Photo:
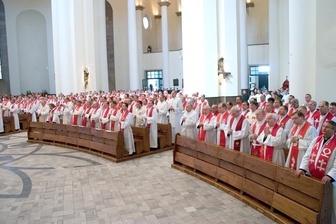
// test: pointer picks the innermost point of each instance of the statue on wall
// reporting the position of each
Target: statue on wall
(86, 77)
(221, 71)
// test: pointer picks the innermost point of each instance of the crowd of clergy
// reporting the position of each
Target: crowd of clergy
(260, 124)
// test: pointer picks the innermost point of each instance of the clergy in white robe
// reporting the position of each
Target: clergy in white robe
(76, 113)
(299, 139)
(14, 112)
(138, 114)
(255, 130)
(162, 109)
(220, 125)
(6, 106)
(206, 126)
(188, 122)
(238, 132)
(58, 113)
(319, 160)
(114, 117)
(175, 114)
(68, 105)
(104, 119)
(273, 138)
(43, 111)
(126, 121)
(95, 115)
(151, 123)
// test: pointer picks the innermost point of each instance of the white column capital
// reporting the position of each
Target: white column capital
(164, 3)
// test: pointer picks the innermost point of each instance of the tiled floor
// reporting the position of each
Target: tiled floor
(48, 184)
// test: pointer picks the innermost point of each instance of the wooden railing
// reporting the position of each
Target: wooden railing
(265, 186)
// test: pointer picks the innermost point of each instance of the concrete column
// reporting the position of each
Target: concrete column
(167, 82)
(64, 45)
(302, 47)
(199, 28)
(244, 77)
(274, 56)
(139, 9)
(83, 48)
(132, 46)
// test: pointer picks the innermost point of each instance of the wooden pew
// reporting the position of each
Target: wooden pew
(164, 135)
(106, 143)
(49, 132)
(113, 143)
(141, 139)
(8, 124)
(61, 134)
(36, 131)
(24, 121)
(265, 186)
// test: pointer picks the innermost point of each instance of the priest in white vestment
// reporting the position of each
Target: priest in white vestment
(175, 114)
(114, 117)
(206, 126)
(126, 121)
(238, 132)
(188, 122)
(150, 118)
(299, 139)
(14, 112)
(319, 160)
(162, 109)
(220, 125)
(273, 138)
(43, 111)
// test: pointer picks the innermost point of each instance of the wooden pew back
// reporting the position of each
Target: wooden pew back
(164, 135)
(109, 144)
(141, 139)
(264, 185)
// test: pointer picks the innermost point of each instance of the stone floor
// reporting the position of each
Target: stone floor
(49, 184)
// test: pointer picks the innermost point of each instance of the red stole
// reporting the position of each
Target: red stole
(282, 121)
(245, 112)
(105, 113)
(114, 113)
(51, 114)
(202, 132)
(123, 118)
(12, 107)
(4, 104)
(221, 118)
(262, 105)
(318, 163)
(93, 123)
(327, 117)
(75, 117)
(266, 152)
(149, 113)
(294, 152)
(236, 145)
(291, 111)
(184, 105)
(84, 119)
(255, 149)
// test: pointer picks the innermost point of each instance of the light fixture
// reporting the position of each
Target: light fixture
(179, 13)
(157, 16)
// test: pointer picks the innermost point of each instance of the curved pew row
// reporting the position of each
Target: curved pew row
(107, 144)
(269, 188)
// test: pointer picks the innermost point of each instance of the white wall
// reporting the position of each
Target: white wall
(32, 51)
(153, 61)
(325, 51)
(12, 9)
(258, 54)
